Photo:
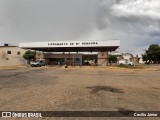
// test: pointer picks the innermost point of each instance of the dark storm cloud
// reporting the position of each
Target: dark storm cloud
(135, 22)
(155, 34)
(39, 20)
(140, 19)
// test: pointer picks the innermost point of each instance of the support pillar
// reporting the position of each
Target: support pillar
(102, 58)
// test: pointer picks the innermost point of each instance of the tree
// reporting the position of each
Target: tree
(29, 55)
(145, 57)
(152, 54)
(112, 58)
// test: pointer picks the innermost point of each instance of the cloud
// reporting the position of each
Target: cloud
(39, 20)
(136, 23)
(143, 8)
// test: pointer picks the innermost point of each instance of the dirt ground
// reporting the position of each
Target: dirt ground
(80, 89)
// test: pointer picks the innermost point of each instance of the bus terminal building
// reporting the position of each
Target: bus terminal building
(73, 52)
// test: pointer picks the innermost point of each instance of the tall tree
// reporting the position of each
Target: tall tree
(152, 54)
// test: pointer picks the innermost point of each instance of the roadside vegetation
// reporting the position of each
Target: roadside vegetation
(131, 67)
(112, 59)
(152, 55)
(29, 55)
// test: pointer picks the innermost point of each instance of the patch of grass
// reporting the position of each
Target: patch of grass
(131, 67)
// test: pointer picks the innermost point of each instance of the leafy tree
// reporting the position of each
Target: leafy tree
(112, 58)
(145, 57)
(152, 54)
(29, 55)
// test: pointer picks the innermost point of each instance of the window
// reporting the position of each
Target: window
(18, 53)
(8, 52)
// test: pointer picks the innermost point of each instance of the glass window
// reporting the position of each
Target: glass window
(18, 53)
(8, 52)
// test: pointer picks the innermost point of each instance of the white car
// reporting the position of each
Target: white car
(38, 63)
(124, 62)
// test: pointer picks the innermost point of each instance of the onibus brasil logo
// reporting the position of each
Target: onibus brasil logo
(21, 114)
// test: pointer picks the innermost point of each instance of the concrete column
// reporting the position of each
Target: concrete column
(80, 59)
(73, 59)
(102, 58)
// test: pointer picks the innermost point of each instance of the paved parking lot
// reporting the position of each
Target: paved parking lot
(79, 89)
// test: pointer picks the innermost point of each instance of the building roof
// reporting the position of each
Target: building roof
(8, 46)
(72, 46)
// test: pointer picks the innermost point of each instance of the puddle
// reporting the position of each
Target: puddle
(96, 89)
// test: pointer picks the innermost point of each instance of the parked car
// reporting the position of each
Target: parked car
(38, 63)
(125, 62)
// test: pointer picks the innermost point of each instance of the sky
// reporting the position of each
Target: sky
(136, 23)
